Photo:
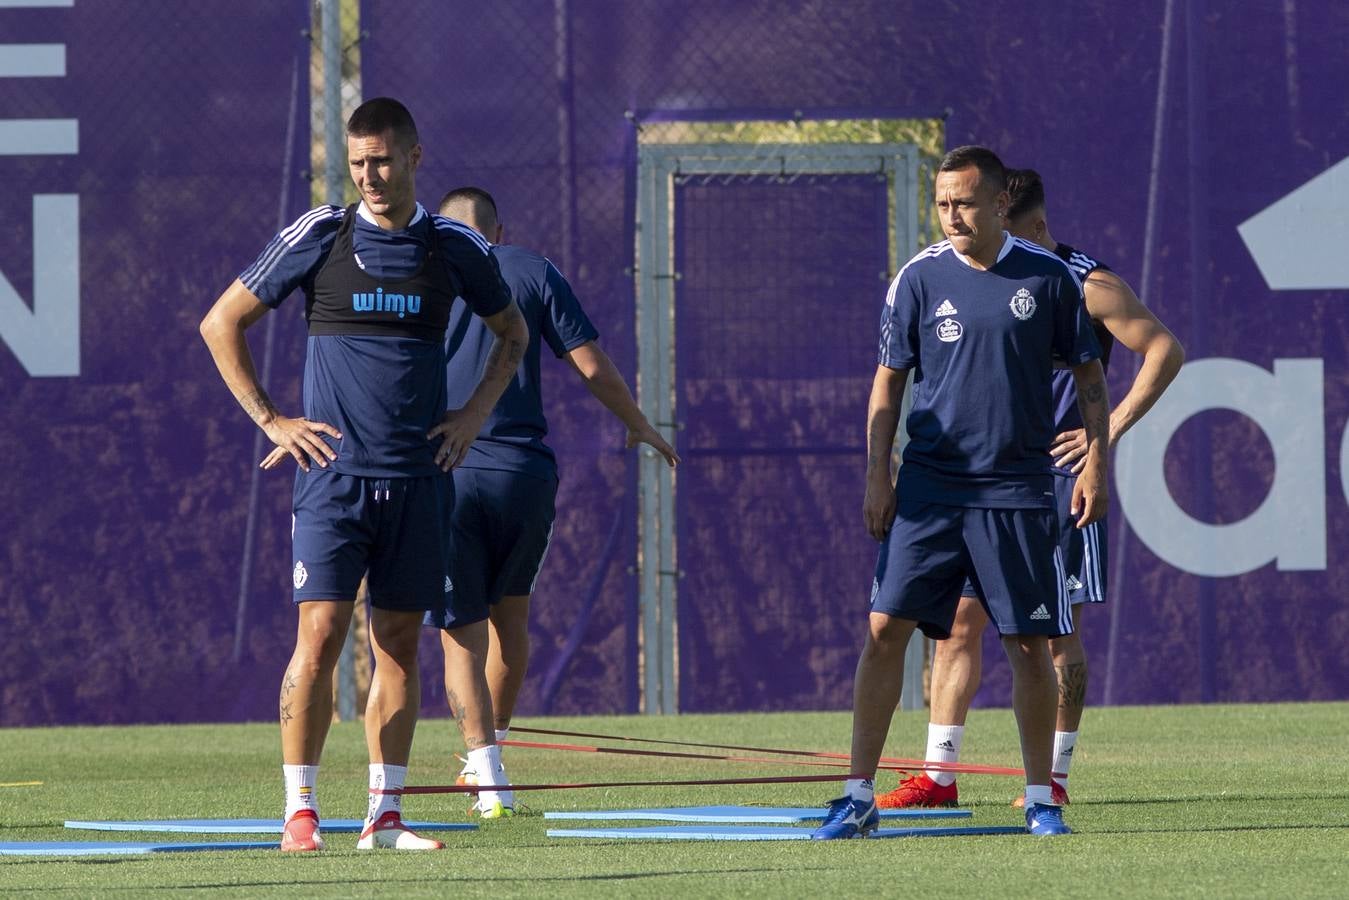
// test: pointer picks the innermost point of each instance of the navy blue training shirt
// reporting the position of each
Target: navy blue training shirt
(982, 346)
(512, 437)
(374, 366)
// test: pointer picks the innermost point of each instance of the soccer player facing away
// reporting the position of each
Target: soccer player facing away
(979, 319)
(1116, 314)
(505, 490)
(379, 279)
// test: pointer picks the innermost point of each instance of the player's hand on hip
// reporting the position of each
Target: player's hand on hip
(1069, 450)
(878, 508)
(274, 459)
(1091, 498)
(650, 436)
(457, 429)
(300, 439)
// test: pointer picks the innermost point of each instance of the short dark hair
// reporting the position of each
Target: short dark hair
(479, 198)
(384, 114)
(1026, 190)
(986, 161)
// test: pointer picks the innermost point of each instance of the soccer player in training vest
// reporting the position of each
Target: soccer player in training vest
(1116, 313)
(504, 489)
(980, 319)
(379, 279)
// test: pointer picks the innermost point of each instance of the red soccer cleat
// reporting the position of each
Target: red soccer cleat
(1058, 795)
(918, 791)
(302, 832)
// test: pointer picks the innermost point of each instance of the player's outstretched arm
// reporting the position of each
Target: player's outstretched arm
(1090, 494)
(459, 427)
(603, 379)
(887, 394)
(223, 331)
(1111, 301)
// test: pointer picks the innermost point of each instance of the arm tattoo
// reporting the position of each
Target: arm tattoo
(258, 405)
(878, 452)
(505, 356)
(1091, 403)
(1072, 685)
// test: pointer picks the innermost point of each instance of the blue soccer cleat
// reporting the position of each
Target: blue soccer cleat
(848, 818)
(1044, 820)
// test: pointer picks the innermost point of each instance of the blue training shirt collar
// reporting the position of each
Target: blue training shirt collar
(1007, 243)
(368, 216)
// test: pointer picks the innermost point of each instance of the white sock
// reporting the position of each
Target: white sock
(300, 793)
(1038, 794)
(503, 733)
(486, 761)
(943, 745)
(863, 789)
(388, 778)
(1064, 742)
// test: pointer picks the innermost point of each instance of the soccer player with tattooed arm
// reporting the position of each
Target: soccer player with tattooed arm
(979, 320)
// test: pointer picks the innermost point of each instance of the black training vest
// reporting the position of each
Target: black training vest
(345, 300)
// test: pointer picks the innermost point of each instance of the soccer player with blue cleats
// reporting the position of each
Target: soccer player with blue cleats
(848, 817)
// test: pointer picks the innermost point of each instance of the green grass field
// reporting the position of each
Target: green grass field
(1217, 801)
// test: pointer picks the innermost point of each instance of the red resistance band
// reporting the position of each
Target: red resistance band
(886, 762)
(474, 788)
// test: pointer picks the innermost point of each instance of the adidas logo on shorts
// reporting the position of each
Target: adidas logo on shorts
(1073, 583)
(1040, 612)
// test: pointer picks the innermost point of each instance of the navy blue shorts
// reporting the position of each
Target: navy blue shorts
(1084, 550)
(396, 529)
(500, 530)
(1010, 555)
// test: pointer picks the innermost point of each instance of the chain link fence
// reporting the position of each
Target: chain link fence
(145, 575)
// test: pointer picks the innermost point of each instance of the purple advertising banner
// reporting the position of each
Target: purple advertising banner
(1201, 149)
(151, 150)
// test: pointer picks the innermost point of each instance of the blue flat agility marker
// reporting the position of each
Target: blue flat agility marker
(249, 826)
(765, 815)
(732, 833)
(101, 848)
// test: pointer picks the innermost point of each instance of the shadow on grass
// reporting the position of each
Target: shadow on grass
(300, 883)
(1216, 798)
(1223, 829)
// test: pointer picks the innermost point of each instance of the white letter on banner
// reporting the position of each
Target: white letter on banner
(1290, 524)
(1344, 462)
(46, 339)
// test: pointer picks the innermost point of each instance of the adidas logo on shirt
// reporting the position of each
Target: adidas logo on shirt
(947, 308)
(1040, 612)
(1073, 583)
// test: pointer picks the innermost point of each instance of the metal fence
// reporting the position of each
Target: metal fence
(155, 151)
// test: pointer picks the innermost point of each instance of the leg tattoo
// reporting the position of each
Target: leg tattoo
(456, 709)
(1072, 685)
(288, 686)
